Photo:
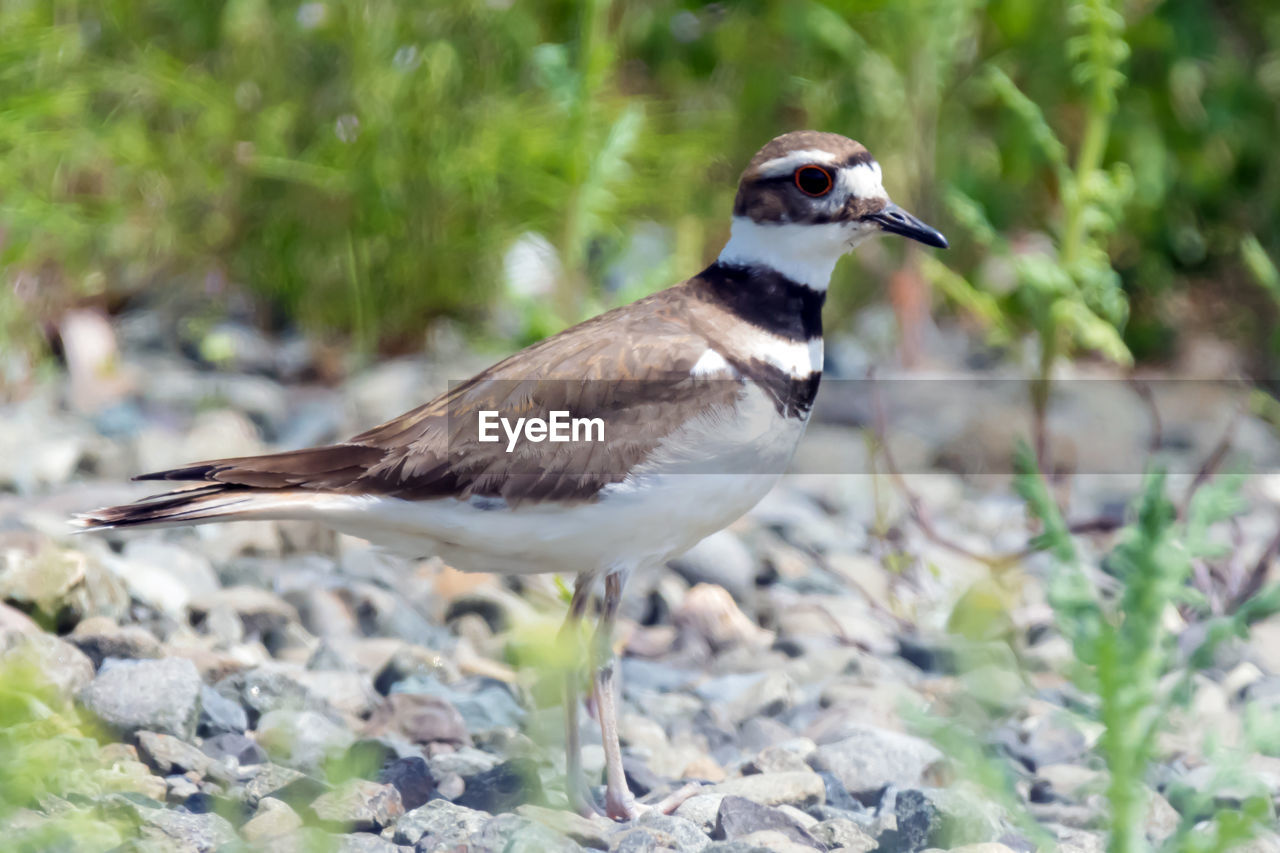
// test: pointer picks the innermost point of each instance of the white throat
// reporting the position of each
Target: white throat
(804, 253)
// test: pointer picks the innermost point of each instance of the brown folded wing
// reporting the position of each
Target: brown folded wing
(629, 367)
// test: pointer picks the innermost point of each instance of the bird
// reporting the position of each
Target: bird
(692, 402)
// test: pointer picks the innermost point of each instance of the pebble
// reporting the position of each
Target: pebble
(48, 660)
(796, 788)
(101, 638)
(181, 832)
(438, 825)
(784, 757)
(738, 817)
(358, 805)
(843, 834)
(166, 754)
(504, 787)
(483, 703)
(303, 740)
(585, 831)
(721, 559)
(419, 719)
(167, 576)
(272, 819)
(157, 695)
(701, 810)
(776, 659)
(235, 746)
(283, 783)
(869, 758)
(510, 833)
(411, 777)
(220, 715)
(364, 842)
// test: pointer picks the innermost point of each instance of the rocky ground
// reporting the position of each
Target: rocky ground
(265, 686)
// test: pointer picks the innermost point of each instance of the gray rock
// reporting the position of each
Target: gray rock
(773, 841)
(585, 831)
(277, 687)
(738, 817)
(917, 823)
(219, 715)
(350, 693)
(166, 576)
(283, 783)
(102, 638)
(870, 758)
(263, 612)
(158, 695)
(511, 833)
(842, 834)
(438, 825)
(701, 810)
(742, 696)
(675, 832)
(801, 789)
(639, 840)
(742, 846)
(58, 664)
(940, 817)
(166, 754)
(363, 842)
(180, 789)
(720, 559)
(409, 661)
(501, 789)
(358, 805)
(838, 797)
(303, 740)
(418, 719)
(782, 758)
(467, 761)
(272, 819)
(61, 587)
(183, 832)
(640, 676)
(484, 703)
(411, 777)
(233, 745)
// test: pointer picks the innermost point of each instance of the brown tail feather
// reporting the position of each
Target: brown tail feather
(320, 468)
(214, 502)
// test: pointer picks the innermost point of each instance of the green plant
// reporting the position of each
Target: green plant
(1070, 294)
(1125, 655)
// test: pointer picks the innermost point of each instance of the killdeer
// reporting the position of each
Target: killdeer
(703, 391)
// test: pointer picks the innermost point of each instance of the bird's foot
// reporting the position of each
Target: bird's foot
(624, 806)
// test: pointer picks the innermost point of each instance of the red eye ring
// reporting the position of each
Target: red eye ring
(813, 181)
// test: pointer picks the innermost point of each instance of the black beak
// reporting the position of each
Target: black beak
(895, 220)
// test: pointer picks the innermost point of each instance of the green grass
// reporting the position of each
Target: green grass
(359, 167)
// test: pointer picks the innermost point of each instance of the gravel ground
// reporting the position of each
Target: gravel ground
(265, 686)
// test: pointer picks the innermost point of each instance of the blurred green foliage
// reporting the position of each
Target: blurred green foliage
(1127, 659)
(1141, 639)
(362, 166)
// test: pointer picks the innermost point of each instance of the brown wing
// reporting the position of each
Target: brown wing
(629, 367)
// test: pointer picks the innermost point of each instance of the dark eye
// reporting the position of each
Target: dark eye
(813, 180)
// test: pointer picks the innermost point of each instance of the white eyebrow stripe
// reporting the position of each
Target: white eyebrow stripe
(790, 162)
(863, 180)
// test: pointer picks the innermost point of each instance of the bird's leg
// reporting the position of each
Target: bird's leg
(619, 803)
(580, 799)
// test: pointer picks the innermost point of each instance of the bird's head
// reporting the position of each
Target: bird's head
(807, 198)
